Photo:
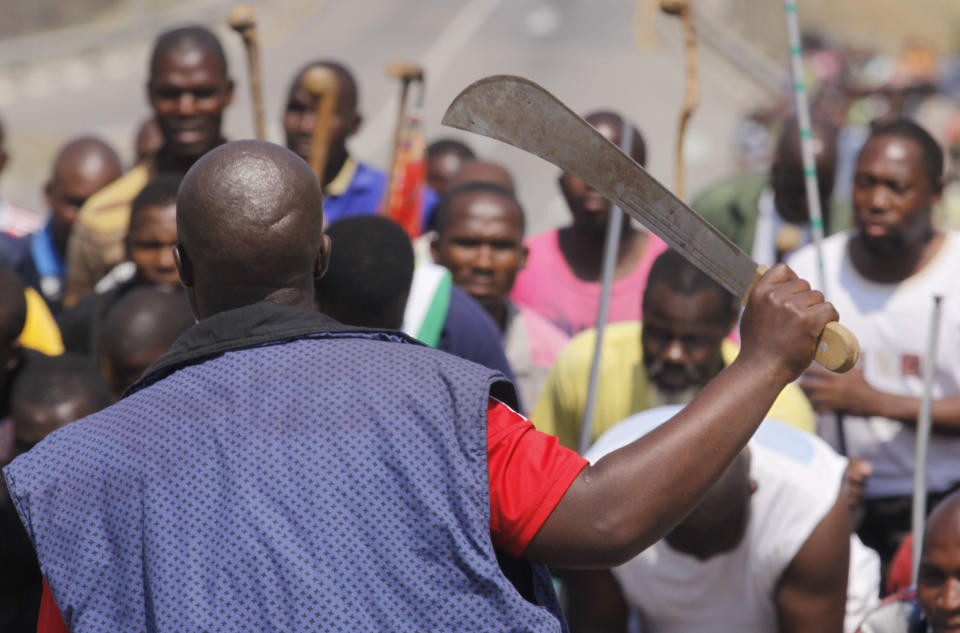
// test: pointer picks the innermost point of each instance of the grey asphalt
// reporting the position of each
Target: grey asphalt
(590, 54)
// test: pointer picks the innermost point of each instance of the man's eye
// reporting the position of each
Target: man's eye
(206, 93)
(167, 93)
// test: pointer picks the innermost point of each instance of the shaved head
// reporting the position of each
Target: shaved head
(613, 121)
(186, 41)
(143, 325)
(938, 576)
(82, 167)
(483, 171)
(250, 228)
(88, 157)
(787, 175)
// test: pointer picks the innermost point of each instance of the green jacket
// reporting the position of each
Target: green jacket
(731, 205)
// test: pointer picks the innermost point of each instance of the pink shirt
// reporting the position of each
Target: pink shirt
(549, 286)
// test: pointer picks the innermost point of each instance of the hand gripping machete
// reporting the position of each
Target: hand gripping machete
(519, 112)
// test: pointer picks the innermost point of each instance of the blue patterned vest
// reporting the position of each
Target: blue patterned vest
(277, 471)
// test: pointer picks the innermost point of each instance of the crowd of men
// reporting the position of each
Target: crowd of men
(269, 442)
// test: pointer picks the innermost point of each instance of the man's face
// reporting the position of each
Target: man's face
(938, 578)
(150, 245)
(482, 245)
(589, 208)
(188, 92)
(681, 338)
(299, 121)
(892, 196)
(66, 193)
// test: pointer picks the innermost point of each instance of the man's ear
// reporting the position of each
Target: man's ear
(435, 248)
(3, 159)
(522, 261)
(184, 266)
(47, 193)
(355, 123)
(322, 262)
(229, 89)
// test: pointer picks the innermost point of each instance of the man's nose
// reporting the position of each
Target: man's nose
(675, 352)
(187, 104)
(879, 198)
(484, 257)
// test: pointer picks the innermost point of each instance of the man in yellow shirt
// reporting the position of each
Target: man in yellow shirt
(678, 349)
(188, 90)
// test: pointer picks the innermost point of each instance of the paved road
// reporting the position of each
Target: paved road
(585, 52)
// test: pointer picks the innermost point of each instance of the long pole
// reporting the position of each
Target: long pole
(691, 98)
(924, 422)
(814, 208)
(611, 245)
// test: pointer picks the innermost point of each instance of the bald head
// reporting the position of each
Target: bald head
(589, 208)
(250, 227)
(483, 171)
(82, 167)
(187, 41)
(610, 124)
(939, 572)
(786, 174)
(142, 325)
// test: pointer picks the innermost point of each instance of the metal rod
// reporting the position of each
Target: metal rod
(814, 209)
(611, 245)
(924, 422)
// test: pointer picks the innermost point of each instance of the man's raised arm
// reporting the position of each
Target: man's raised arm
(635, 495)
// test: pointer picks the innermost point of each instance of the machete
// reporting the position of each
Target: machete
(521, 113)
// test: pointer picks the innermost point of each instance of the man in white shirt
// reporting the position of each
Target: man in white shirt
(882, 276)
(768, 549)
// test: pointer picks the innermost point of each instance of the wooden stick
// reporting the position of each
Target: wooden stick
(321, 82)
(243, 20)
(407, 73)
(691, 100)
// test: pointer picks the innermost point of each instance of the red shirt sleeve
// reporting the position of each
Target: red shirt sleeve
(529, 473)
(50, 620)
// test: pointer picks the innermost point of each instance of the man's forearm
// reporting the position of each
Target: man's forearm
(945, 412)
(634, 496)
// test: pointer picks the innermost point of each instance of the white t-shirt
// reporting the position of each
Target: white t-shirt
(798, 479)
(891, 322)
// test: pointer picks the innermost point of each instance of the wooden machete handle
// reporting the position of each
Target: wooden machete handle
(837, 348)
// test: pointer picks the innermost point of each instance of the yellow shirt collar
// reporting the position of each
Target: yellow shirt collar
(338, 186)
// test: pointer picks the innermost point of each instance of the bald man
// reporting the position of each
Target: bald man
(82, 167)
(445, 157)
(188, 90)
(483, 171)
(933, 606)
(279, 470)
(766, 214)
(561, 279)
(141, 326)
(350, 187)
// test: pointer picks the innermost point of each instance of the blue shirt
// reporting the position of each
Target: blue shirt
(363, 194)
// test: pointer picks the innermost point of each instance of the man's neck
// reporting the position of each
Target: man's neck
(335, 162)
(894, 267)
(583, 251)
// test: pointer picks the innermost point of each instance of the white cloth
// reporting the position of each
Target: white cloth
(891, 322)
(769, 225)
(798, 480)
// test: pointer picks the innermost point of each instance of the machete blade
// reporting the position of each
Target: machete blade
(523, 114)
